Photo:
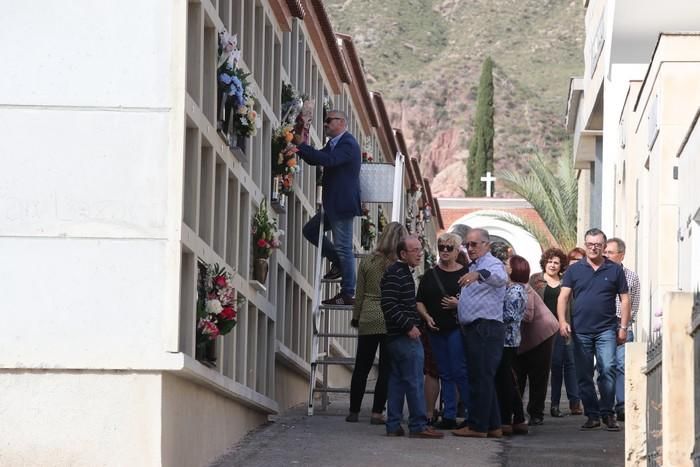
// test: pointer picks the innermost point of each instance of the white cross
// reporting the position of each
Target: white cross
(489, 181)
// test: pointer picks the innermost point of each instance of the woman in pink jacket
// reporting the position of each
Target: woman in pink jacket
(538, 330)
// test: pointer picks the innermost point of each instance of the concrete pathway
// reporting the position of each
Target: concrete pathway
(327, 440)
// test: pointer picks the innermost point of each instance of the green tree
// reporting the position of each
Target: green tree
(481, 145)
(553, 193)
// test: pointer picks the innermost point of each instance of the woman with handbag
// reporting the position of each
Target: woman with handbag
(368, 318)
(538, 330)
(436, 301)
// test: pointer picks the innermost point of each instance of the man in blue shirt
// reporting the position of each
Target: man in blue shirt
(595, 284)
(341, 159)
(480, 312)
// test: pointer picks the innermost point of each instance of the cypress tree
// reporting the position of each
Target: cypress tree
(481, 145)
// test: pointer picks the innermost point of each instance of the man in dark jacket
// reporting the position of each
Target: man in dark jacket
(341, 159)
(403, 344)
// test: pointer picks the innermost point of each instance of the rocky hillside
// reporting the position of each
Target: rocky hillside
(425, 57)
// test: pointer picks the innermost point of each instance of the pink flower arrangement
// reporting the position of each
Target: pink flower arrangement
(216, 308)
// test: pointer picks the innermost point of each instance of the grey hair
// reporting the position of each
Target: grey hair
(339, 112)
(621, 247)
(594, 232)
(483, 233)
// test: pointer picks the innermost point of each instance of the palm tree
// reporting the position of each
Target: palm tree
(554, 195)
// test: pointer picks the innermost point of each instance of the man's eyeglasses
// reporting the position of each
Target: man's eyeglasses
(472, 244)
(330, 119)
(447, 248)
(594, 246)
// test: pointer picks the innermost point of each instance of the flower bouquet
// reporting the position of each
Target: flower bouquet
(297, 112)
(216, 312)
(234, 91)
(266, 235)
(367, 157)
(368, 230)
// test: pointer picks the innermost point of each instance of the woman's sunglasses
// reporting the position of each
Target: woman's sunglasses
(445, 248)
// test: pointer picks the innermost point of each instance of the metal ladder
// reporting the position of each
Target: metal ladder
(321, 338)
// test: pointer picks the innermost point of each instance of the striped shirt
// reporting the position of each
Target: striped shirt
(484, 299)
(633, 285)
(399, 299)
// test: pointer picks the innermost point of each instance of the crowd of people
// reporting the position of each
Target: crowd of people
(478, 329)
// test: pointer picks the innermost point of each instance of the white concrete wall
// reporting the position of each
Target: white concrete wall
(198, 425)
(91, 108)
(689, 248)
(616, 85)
(80, 419)
(87, 183)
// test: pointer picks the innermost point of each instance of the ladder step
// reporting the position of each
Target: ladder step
(335, 334)
(340, 390)
(336, 361)
(335, 307)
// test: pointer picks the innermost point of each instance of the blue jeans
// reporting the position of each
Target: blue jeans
(405, 381)
(448, 351)
(603, 347)
(564, 369)
(340, 252)
(483, 343)
(620, 374)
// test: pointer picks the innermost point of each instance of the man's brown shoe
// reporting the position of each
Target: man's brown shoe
(428, 433)
(521, 428)
(497, 433)
(467, 432)
(507, 430)
(576, 408)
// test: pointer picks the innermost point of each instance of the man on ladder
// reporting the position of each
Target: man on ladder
(341, 159)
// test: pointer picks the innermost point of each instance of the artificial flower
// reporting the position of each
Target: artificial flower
(213, 307)
(228, 313)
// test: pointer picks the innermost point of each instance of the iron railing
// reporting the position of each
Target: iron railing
(695, 333)
(654, 429)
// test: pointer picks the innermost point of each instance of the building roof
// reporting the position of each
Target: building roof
(332, 42)
(386, 133)
(358, 77)
(296, 8)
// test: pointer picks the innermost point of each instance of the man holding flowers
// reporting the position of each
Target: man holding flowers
(341, 159)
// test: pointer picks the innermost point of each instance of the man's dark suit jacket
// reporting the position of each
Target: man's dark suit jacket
(341, 176)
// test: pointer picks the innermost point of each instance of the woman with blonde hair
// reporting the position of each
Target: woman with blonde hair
(436, 301)
(368, 318)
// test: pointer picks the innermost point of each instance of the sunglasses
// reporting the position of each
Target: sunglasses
(447, 248)
(472, 244)
(330, 119)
